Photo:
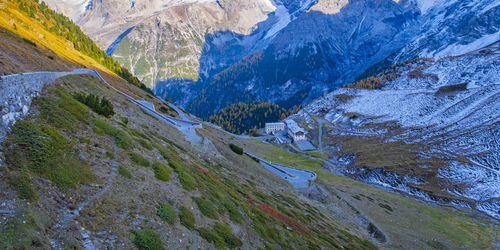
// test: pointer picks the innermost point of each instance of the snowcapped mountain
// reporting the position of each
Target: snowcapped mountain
(437, 118)
(205, 55)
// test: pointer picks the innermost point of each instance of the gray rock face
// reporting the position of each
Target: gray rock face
(316, 52)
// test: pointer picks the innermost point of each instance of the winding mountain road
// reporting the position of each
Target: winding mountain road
(297, 177)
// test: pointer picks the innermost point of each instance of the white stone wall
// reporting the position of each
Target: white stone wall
(17, 92)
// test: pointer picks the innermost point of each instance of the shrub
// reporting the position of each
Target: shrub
(144, 144)
(63, 112)
(99, 131)
(26, 40)
(102, 127)
(175, 164)
(103, 106)
(212, 237)
(416, 73)
(385, 206)
(187, 181)
(43, 150)
(166, 213)
(186, 218)
(25, 186)
(147, 240)
(206, 208)
(123, 141)
(443, 90)
(234, 214)
(124, 120)
(352, 115)
(137, 133)
(84, 140)
(106, 127)
(225, 232)
(110, 155)
(139, 159)
(236, 149)
(162, 171)
(124, 172)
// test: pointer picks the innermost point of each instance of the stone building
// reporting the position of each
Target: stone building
(294, 131)
(273, 127)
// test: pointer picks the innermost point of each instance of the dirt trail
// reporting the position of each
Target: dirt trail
(69, 216)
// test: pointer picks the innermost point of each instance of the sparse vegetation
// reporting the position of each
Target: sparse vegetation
(105, 127)
(23, 232)
(212, 237)
(226, 233)
(234, 214)
(162, 171)
(62, 111)
(368, 83)
(417, 73)
(102, 127)
(187, 218)
(206, 208)
(351, 115)
(144, 144)
(187, 181)
(22, 181)
(343, 98)
(41, 149)
(147, 239)
(139, 159)
(123, 141)
(110, 155)
(123, 171)
(166, 213)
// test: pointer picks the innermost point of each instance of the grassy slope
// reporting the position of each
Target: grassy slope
(257, 206)
(17, 55)
(410, 223)
(16, 21)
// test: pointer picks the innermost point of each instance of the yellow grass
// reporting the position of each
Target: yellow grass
(33, 30)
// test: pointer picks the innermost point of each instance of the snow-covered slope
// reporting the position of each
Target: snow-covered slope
(454, 27)
(446, 113)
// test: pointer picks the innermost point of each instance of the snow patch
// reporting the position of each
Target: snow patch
(459, 49)
(284, 18)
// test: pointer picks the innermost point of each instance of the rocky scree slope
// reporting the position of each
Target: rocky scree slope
(425, 127)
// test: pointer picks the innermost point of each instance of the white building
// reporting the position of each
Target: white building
(294, 131)
(273, 127)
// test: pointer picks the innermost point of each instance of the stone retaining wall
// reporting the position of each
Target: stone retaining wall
(17, 92)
